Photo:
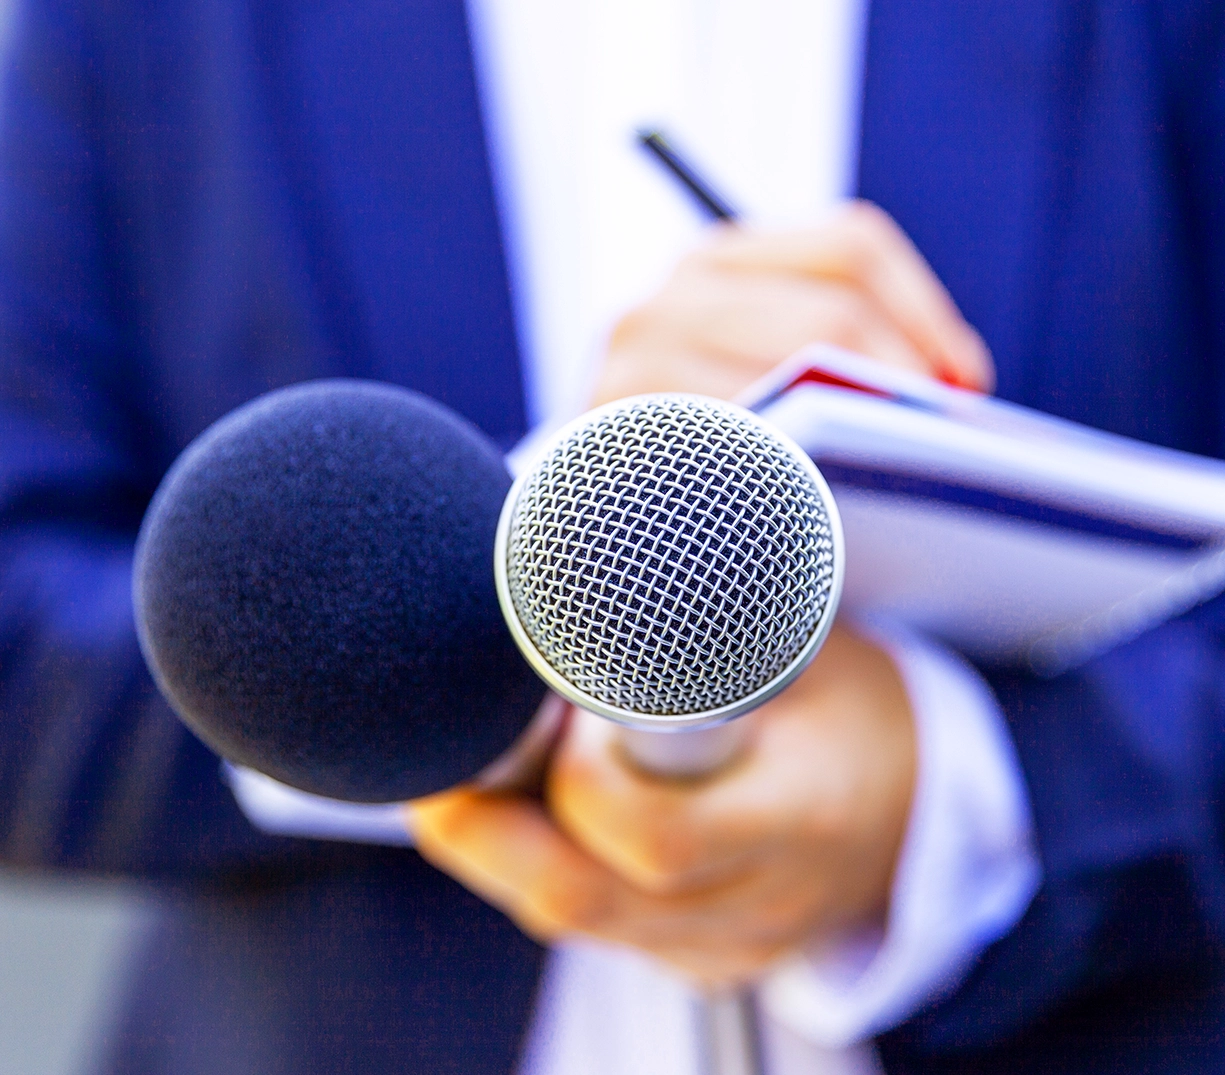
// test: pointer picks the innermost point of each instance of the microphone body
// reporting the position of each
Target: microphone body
(314, 593)
(671, 562)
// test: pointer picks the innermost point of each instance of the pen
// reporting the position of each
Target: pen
(654, 142)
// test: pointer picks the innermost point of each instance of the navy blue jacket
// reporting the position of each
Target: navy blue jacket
(203, 199)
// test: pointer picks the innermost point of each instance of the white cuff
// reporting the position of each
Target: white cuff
(967, 871)
(280, 810)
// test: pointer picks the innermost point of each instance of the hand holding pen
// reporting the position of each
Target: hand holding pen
(745, 299)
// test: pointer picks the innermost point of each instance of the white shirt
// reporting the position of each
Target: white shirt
(765, 96)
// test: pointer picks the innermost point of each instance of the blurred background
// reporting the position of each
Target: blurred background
(63, 949)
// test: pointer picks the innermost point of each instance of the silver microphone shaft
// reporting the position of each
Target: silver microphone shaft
(728, 1039)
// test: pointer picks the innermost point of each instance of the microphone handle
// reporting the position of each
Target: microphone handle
(726, 1019)
(686, 755)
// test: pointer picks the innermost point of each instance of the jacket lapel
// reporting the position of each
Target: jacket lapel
(955, 146)
(386, 147)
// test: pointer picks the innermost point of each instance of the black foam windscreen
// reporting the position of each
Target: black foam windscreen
(314, 593)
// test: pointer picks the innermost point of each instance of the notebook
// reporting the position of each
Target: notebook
(1012, 535)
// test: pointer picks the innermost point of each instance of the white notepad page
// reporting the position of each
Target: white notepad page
(1010, 534)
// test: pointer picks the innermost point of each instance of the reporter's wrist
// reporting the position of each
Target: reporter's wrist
(967, 871)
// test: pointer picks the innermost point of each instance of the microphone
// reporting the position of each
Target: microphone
(314, 593)
(670, 562)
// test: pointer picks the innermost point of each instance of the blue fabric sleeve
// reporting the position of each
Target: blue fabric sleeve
(1124, 758)
(94, 769)
(1123, 762)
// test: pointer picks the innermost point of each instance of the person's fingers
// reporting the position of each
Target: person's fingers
(795, 786)
(507, 851)
(673, 837)
(723, 330)
(766, 315)
(797, 839)
(864, 246)
(665, 837)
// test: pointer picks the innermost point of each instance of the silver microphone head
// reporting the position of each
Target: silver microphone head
(669, 561)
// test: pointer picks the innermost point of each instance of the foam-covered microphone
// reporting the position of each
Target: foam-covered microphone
(314, 593)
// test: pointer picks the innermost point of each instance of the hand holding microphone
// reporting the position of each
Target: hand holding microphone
(670, 563)
(797, 840)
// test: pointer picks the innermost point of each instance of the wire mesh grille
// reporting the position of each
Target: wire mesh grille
(670, 557)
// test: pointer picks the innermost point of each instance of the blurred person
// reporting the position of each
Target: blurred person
(201, 202)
